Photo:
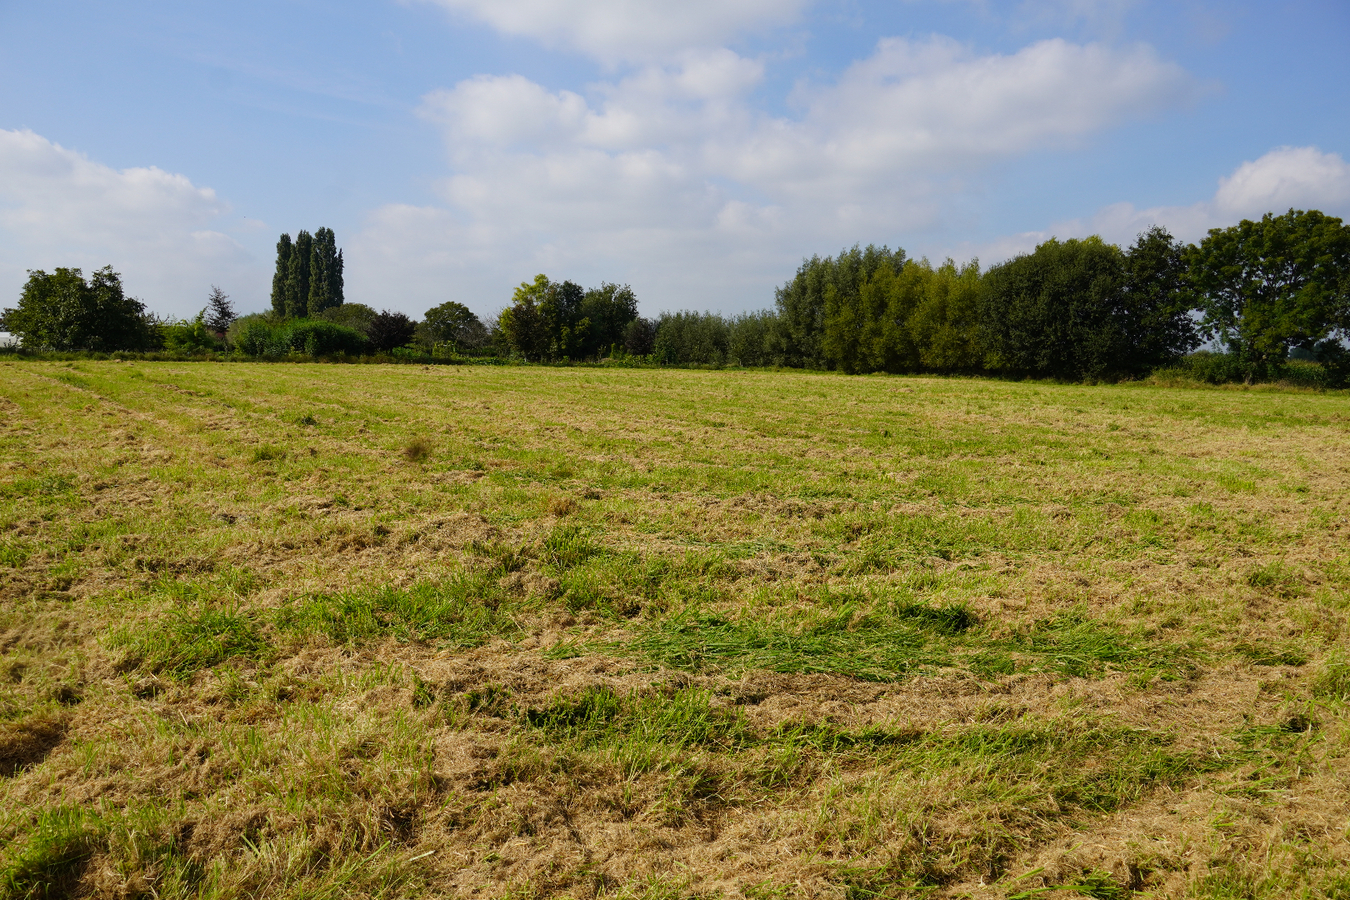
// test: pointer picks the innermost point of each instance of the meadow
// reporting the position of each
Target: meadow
(302, 630)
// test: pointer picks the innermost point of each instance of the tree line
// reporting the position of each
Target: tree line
(1260, 293)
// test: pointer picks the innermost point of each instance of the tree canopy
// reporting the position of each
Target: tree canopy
(308, 277)
(561, 320)
(61, 311)
(1271, 286)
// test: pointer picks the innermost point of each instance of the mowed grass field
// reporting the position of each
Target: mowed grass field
(360, 631)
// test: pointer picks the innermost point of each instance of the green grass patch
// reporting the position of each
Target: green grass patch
(52, 860)
(184, 641)
(674, 721)
(869, 644)
(462, 611)
(1073, 644)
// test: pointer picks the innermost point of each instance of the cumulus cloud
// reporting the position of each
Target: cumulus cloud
(59, 208)
(627, 30)
(1283, 179)
(933, 106)
(672, 169)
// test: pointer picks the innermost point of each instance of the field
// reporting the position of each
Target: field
(275, 630)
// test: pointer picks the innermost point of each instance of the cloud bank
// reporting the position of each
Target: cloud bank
(1283, 179)
(615, 31)
(672, 178)
(59, 208)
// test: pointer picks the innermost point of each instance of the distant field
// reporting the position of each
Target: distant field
(320, 631)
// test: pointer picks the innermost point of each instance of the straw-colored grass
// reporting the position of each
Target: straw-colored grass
(306, 630)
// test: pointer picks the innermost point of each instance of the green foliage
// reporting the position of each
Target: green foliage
(298, 276)
(1270, 286)
(219, 313)
(356, 316)
(389, 331)
(548, 320)
(263, 336)
(608, 310)
(683, 338)
(1158, 324)
(308, 279)
(944, 324)
(325, 273)
(280, 278)
(866, 302)
(62, 312)
(639, 338)
(524, 324)
(1058, 312)
(453, 324)
(189, 335)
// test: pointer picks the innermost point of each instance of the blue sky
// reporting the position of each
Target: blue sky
(697, 150)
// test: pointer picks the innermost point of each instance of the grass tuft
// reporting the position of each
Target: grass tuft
(55, 857)
(187, 640)
(461, 611)
(418, 450)
(268, 453)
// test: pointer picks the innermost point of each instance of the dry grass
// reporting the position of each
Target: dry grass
(667, 635)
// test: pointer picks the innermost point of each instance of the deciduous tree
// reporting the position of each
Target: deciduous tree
(61, 311)
(1269, 286)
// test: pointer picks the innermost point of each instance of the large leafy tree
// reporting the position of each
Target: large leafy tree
(61, 311)
(390, 330)
(828, 317)
(1158, 325)
(453, 323)
(568, 329)
(945, 322)
(1058, 312)
(524, 323)
(607, 311)
(1270, 286)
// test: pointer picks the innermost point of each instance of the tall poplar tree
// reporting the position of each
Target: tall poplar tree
(285, 250)
(325, 273)
(298, 276)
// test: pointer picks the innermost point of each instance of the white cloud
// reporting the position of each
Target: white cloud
(59, 208)
(627, 30)
(1283, 179)
(933, 107)
(670, 178)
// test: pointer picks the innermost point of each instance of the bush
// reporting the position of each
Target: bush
(189, 335)
(261, 335)
(389, 330)
(318, 338)
(1214, 368)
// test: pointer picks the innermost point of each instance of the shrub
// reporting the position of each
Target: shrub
(389, 330)
(188, 335)
(263, 336)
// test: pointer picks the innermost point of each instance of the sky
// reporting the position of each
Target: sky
(698, 151)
